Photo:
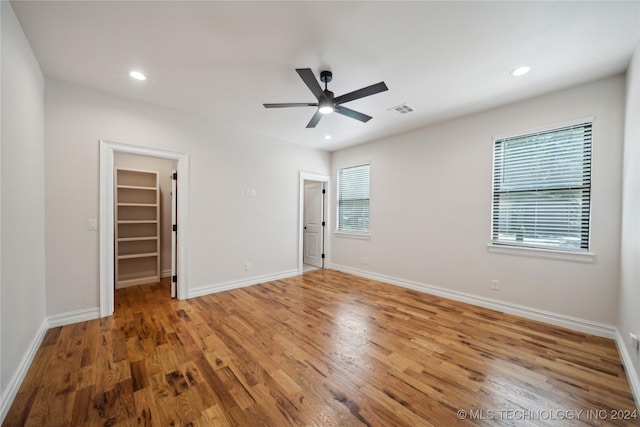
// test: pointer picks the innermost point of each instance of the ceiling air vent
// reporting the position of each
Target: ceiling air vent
(401, 109)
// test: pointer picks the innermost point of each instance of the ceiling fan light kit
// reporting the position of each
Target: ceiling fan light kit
(327, 103)
(325, 107)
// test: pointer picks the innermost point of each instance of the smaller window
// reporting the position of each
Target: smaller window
(353, 199)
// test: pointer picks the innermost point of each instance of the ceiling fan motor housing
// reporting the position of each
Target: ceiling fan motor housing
(326, 76)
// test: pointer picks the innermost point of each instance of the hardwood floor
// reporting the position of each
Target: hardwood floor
(323, 349)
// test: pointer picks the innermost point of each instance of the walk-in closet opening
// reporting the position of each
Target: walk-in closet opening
(179, 281)
(144, 218)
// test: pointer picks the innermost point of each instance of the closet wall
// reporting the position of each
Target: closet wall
(163, 167)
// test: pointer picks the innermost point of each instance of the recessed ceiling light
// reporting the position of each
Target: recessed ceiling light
(138, 75)
(327, 136)
(520, 71)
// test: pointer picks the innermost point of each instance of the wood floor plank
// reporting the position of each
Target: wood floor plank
(322, 349)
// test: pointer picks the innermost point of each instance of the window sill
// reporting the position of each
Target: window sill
(360, 236)
(587, 257)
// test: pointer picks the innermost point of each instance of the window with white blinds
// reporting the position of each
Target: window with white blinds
(353, 199)
(542, 189)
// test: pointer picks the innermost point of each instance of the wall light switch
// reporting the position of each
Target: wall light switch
(93, 224)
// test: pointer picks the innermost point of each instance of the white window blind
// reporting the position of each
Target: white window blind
(353, 199)
(542, 189)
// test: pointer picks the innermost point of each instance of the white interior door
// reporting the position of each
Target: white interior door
(174, 232)
(313, 236)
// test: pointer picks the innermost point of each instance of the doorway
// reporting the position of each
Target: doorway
(144, 208)
(312, 228)
(313, 222)
(108, 150)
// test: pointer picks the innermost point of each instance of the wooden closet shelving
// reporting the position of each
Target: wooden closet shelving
(137, 214)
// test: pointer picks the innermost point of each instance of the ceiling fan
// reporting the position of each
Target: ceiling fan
(327, 103)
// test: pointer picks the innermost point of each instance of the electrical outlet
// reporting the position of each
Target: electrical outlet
(247, 266)
(635, 344)
(494, 285)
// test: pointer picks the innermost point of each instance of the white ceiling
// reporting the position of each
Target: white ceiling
(223, 60)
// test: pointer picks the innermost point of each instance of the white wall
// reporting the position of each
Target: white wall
(629, 319)
(164, 168)
(431, 207)
(227, 228)
(22, 192)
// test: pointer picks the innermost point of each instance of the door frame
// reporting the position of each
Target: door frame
(107, 223)
(174, 232)
(306, 176)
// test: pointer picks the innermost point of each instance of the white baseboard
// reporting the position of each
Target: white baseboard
(629, 368)
(234, 284)
(10, 392)
(73, 317)
(165, 273)
(582, 325)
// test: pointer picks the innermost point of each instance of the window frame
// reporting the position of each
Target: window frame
(356, 234)
(540, 251)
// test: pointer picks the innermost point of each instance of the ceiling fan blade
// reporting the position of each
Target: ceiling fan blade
(351, 113)
(310, 80)
(314, 120)
(291, 104)
(361, 93)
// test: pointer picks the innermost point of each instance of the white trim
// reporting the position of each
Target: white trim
(306, 176)
(629, 369)
(582, 325)
(165, 273)
(353, 235)
(75, 316)
(235, 284)
(10, 392)
(576, 256)
(107, 151)
(106, 229)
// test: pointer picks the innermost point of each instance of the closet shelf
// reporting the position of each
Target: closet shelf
(137, 235)
(137, 187)
(136, 239)
(132, 256)
(139, 205)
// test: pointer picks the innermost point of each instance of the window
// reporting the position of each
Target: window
(353, 199)
(542, 189)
